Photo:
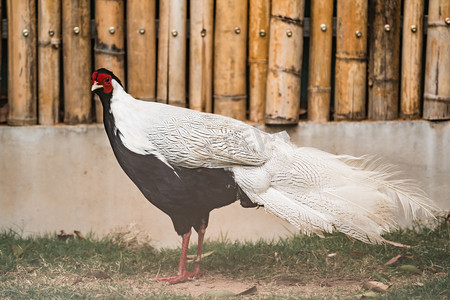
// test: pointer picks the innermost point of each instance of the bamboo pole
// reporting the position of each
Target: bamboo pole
(258, 47)
(351, 57)
(201, 55)
(230, 45)
(319, 83)
(285, 62)
(110, 42)
(3, 116)
(384, 59)
(163, 53)
(22, 81)
(49, 45)
(141, 49)
(76, 33)
(3, 105)
(437, 66)
(171, 82)
(411, 75)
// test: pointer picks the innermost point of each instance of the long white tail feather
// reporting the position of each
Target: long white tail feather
(320, 192)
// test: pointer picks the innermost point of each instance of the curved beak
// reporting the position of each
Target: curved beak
(96, 86)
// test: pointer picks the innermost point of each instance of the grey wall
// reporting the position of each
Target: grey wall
(66, 177)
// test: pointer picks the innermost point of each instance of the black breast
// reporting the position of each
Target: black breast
(187, 195)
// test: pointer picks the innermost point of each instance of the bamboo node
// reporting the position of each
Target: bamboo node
(232, 97)
(292, 71)
(432, 97)
(438, 23)
(107, 49)
(289, 20)
(351, 57)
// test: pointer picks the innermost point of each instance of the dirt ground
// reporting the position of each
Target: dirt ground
(219, 285)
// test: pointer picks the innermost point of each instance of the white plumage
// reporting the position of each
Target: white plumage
(313, 190)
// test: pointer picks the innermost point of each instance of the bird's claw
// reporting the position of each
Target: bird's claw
(180, 277)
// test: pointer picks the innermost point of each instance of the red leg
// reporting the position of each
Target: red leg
(201, 235)
(181, 275)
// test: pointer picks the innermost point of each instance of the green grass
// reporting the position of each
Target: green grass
(45, 267)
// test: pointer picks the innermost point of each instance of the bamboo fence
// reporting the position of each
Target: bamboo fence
(411, 75)
(384, 60)
(351, 60)
(76, 35)
(258, 44)
(171, 77)
(285, 62)
(201, 55)
(141, 49)
(22, 80)
(321, 38)
(241, 59)
(49, 47)
(437, 66)
(4, 108)
(230, 49)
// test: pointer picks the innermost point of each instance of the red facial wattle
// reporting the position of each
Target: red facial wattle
(103, 79)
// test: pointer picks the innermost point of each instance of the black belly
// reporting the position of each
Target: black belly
(187, 195)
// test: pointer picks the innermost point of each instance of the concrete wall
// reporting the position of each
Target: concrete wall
(66, 177)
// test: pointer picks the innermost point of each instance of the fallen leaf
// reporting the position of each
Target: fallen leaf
(63, 236)
(397, 244)
(17, 250)
(79, 234)
(217, 294)
(250, 291)
(97, 274)
(393, 260)
(357, 253)
(410, 269)
(193, 257)
(375, 286)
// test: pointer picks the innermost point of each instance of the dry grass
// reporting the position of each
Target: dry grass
(297, 267)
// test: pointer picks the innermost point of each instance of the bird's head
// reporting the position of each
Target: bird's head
(101, 82)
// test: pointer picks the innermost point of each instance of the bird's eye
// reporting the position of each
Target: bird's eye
(107, 79)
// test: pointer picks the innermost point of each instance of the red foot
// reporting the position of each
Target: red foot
(195, 274)
(180, 278)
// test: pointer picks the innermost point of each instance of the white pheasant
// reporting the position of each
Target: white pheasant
(187, 163)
